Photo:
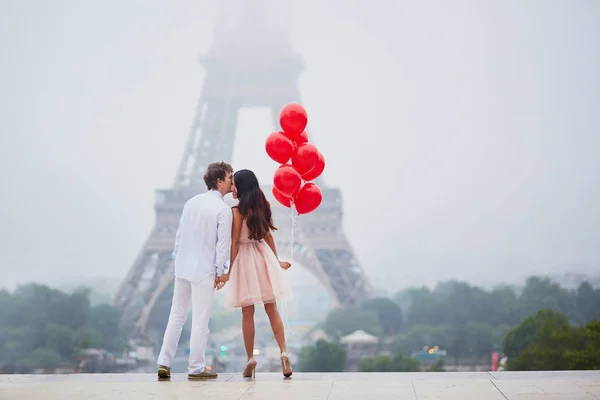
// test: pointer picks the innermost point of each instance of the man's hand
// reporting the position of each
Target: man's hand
(220, 281)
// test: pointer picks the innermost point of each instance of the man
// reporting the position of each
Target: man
(201, 255)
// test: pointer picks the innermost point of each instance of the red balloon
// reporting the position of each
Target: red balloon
(293, 119)
(317, 170)
(284, 200)
(287, 180)
(302, 138)
(309, 197)
(305, 158)
(279, 147)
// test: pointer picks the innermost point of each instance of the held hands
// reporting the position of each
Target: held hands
(220, 281)
(284, 264)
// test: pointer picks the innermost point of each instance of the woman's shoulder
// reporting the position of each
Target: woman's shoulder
(236, 211)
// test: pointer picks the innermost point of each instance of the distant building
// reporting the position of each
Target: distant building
(359, 345)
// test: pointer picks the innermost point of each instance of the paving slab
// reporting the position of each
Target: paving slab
(568, 385)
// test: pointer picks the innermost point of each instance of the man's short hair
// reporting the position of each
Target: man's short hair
(214, 172)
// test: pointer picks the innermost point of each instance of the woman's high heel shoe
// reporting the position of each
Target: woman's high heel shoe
(286, 367)
(250, 370)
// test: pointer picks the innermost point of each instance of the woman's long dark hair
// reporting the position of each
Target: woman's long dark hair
(253, 204)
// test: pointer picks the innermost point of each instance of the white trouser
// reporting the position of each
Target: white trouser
(201, 295)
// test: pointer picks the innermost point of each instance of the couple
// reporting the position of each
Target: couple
(216, 245)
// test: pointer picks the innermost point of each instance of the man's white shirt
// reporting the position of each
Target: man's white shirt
(203, 239)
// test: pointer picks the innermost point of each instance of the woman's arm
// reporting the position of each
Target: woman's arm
(271, 242)
(236, 230)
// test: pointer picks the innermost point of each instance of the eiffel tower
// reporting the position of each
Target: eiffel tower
(251, 63)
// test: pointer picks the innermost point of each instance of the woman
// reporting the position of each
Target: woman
(255, 274)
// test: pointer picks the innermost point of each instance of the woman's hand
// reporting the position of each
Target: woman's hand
(284, 264)
(225, 277)
(220, 281)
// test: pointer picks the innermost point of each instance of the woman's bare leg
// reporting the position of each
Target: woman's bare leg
(248, 329)
(276, 325)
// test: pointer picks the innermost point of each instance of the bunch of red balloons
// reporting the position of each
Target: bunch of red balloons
(291, 181)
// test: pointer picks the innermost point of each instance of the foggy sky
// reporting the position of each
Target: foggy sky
(464, 135)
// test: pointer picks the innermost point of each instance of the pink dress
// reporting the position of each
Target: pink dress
(256, 276)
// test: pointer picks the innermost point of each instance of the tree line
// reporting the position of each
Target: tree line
(466, 320)
(46, 328)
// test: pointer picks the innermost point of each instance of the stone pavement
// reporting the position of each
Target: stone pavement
(571, 385)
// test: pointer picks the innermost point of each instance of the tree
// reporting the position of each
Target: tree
(88, 337)
(546, 341)
(425, 308)
(459, 345)
(479, 339)
(104, 320)
(383, 363)
(524, 335)
(388, 312)
(47, 359)
(7, 307)
(323, 357)
(462, 303)
(452, 303)
(498, 334)
(587, 300)
(420, 336)
(437, 366)
(62, 340)
(404, 300)
(457, 303)
(542, 293)
(401, 363)
(503, 307)
(42, 327)
(588, 355)
(39, 306)
(342, 322)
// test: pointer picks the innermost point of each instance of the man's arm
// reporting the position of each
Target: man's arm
(224, 222)
(178, 234)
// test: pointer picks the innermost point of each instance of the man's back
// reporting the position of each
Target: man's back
(201, 251)
(203, 237)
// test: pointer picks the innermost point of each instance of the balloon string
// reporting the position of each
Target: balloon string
(293, 215)
(283, 303)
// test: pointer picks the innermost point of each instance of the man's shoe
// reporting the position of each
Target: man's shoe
(202, 376)
(164, 373)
